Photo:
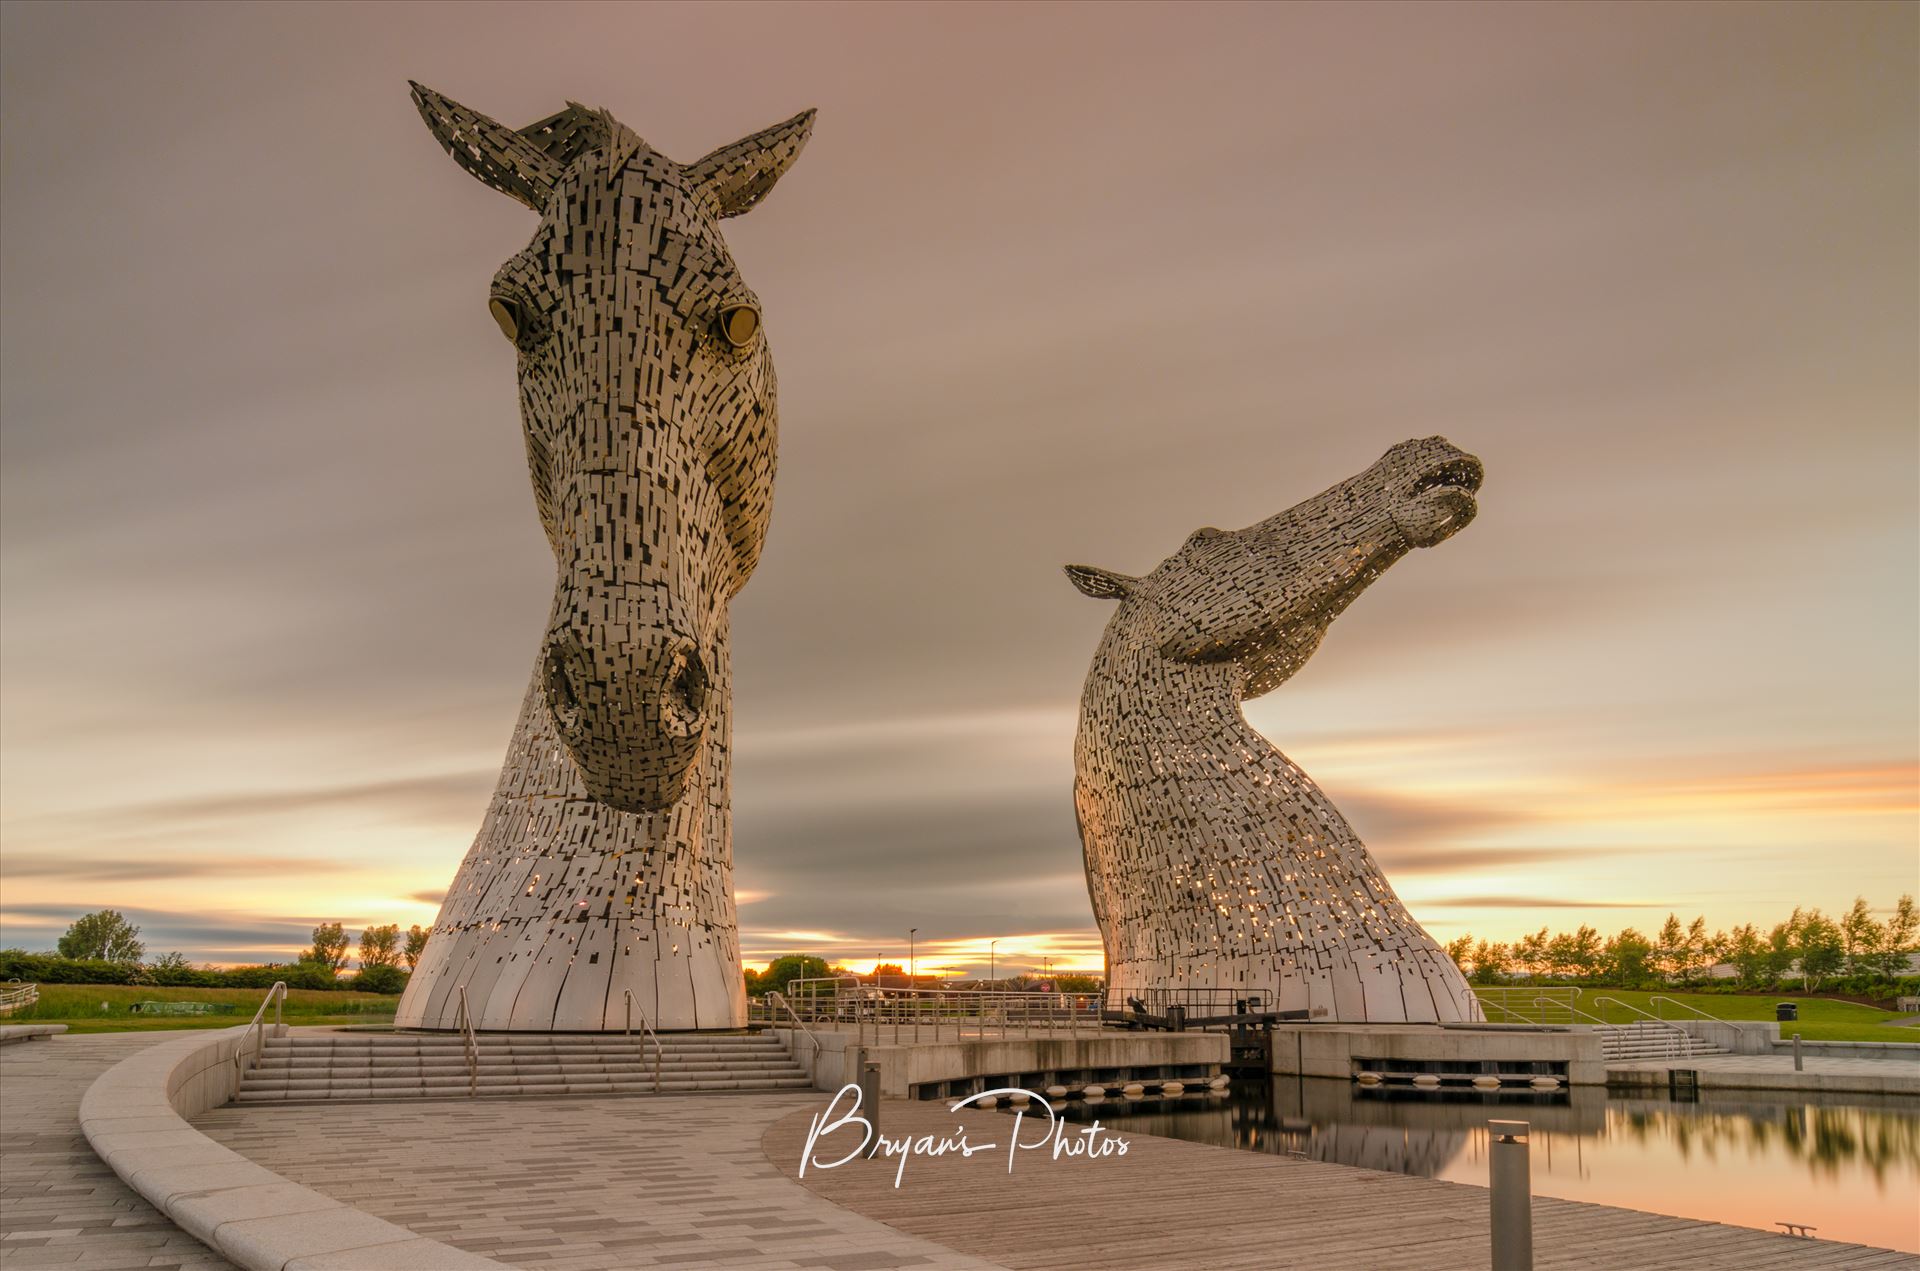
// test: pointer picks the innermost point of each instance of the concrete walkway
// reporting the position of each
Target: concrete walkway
(59, 1205)
(1169, 1204)
(578, 1184)
(1833, 1074)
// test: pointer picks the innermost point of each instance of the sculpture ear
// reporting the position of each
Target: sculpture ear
(495, 154)
(738, 176)
(1101, 584)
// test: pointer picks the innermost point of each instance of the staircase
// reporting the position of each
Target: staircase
(1645, 1039)
(324, 1067)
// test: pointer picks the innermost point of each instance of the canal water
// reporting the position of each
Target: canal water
(1846, 1165)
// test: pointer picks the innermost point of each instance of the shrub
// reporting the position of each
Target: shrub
(380, 979)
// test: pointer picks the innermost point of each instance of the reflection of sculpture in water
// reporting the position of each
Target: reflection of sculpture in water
(600, 886)
(1213, 861)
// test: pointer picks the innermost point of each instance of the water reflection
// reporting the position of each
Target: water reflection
(1849, 1164)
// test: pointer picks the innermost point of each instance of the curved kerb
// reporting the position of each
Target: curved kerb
(134, 1116)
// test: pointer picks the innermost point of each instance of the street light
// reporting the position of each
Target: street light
(910, 934)
(992, 960)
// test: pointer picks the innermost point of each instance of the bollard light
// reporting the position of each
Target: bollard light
(1798, 1065)
(1511, 1197)
(870, 1101)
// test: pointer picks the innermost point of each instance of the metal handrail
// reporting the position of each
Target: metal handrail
(13, 999)
(646, 1031)
(1683, 1040)
(1662, 997)
(780, 1000)
(463, 1020)
(1571, 1009)
(277, 996)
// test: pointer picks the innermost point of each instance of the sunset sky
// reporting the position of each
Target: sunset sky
(1048, 285)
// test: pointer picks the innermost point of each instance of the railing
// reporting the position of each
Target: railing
(1681, 1039)
(1571, 1009)
(779, 1000)
(1197, 1001)
(276, 997)
(646, 1031)
(1662, 997)
(932, 1014)
(463, 1020)
(13, 999)
(1529, 1004)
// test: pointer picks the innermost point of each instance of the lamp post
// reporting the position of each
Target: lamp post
(910, 935)
(992, 960)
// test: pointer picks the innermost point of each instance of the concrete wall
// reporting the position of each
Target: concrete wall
(907, 1065)
(1330, 1050)
(1741, 1037)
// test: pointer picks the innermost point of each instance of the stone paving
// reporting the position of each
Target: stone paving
(578, 1184)
(59, 1206)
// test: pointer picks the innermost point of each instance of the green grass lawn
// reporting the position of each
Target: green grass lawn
(106, 1008)
(1820, 1019)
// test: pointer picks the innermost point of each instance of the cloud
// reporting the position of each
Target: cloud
(446, 796)
(210, 935)
(122, 869)
(433, 897)
(1535, 902)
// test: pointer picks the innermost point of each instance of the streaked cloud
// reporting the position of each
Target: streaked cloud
(274, 586)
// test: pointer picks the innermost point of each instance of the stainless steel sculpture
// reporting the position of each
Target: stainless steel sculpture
(600, 888)
(1212, 861)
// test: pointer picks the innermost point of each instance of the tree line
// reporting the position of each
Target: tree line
(1853, 952)
(105, 948)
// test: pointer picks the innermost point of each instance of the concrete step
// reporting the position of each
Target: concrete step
(357, 1093)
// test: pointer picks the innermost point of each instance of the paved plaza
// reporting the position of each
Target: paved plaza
(708, 1181)
(579, 1184)
(60, 1206)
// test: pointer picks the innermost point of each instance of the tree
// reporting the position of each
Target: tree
(1693, 949)
(380, 946)
(329, 947)
(1079, 983)
(1627, 959)
(1530, 952)
(1860, 937)
(105, 936)
(1749, 952)
(417, 945)
(1897, 936)
(1461, 951)
(1491, 962)
(1821, 947)
(175, 961)
(1670, 947)
(795, 966)
(1780, 946)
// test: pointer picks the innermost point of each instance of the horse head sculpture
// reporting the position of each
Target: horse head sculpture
(600, 883)
(1213, 862)
(647, 396)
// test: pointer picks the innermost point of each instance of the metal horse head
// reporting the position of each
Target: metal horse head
(647, 397)
(1262, 597)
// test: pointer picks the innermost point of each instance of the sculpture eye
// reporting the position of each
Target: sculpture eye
(507, 313)
(739, 324)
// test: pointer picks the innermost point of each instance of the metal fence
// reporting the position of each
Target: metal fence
(876, 1013)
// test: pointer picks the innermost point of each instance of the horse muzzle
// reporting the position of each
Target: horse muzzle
(630, 703)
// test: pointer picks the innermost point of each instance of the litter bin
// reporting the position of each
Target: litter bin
(1786, 1012)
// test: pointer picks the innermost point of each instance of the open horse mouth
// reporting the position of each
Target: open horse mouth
(1464, 474)
(1439, 501)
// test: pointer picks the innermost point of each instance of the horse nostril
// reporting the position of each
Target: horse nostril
(561, 699)
(684, 704)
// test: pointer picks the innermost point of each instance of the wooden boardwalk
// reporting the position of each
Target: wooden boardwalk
(1169, 1204)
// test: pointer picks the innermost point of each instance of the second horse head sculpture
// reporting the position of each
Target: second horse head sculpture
(1213, 862)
